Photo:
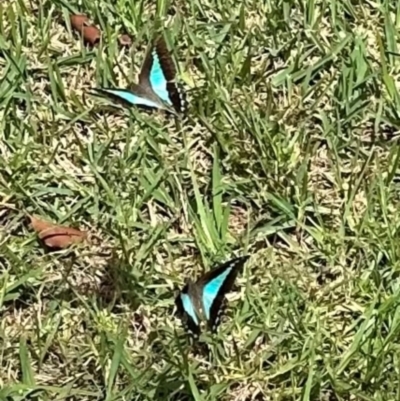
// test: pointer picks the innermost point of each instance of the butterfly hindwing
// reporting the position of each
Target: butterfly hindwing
(128, 97)
(187, 309)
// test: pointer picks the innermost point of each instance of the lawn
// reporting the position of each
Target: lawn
(288, 153)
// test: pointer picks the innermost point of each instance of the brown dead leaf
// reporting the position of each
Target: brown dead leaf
(90, 33)
(55, 236)
(78, 21)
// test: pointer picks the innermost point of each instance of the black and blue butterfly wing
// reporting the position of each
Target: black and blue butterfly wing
(185, 303)
(156, 88)
(215, 284)
(205, 298)
(135, 96)
(158, 73)
(175, 95)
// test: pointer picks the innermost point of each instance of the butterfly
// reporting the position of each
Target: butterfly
(203, 300)
(156, 87)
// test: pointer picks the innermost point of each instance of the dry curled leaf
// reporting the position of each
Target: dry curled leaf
(55, 236)
(89, 32)
(125, 40)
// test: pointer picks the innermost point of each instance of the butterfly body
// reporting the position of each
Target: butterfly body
(203, 300)
(156, 87)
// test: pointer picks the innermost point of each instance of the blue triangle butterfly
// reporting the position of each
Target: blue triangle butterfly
(156, 87)
(203, 300)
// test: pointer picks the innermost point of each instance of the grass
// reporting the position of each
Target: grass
(289, 153)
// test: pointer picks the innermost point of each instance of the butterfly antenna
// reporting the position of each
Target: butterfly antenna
(122, 72)
(237, 352)
(178, 123)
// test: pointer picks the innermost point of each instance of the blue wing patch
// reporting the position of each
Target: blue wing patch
(130, 97)
(189, 308)
(157, 79)
(211, 289)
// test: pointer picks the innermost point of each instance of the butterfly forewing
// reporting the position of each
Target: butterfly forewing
(221, 310)
(216, 284)
(158, 74)
(169, 70)
(212, 288)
